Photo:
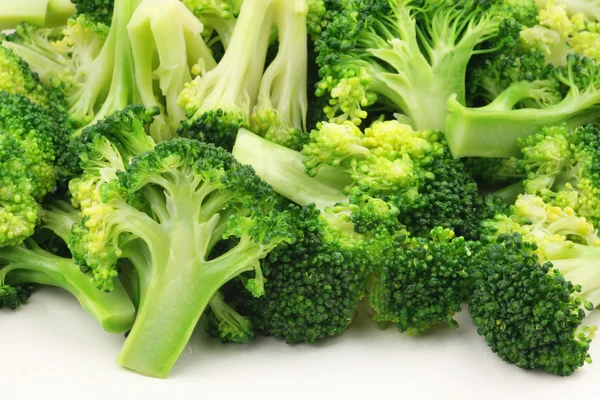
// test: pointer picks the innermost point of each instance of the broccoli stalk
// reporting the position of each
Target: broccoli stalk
(179, 48)
(165, 209)
(494, 130)
(413, 54)
(37, 12)
(220, 101)
(284, 169)
(280, 112)
(216, 16)
(29, 263)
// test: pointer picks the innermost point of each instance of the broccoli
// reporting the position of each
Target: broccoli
(493, 130)
(97, 11)
(413, 172)
(559, 34)
(97, 75)
(168, 207)
(17, 78)
(562, 167)
(223, 321)
(359, 240)
(590, 9)
(282, 103)
(221, 101)
(151, 30)
(413, 54)
(19, 210)
(218, 18)
(37, 12)
(34, 263)
(421, 281)
(41, 137)
(31, 141)
(533, 287)
(314, 283)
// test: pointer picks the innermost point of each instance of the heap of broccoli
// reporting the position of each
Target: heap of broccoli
(264, 167)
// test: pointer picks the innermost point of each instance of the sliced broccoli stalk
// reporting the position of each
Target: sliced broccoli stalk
(177, 48)
(37, 12)
(284, 170)
(494, 130)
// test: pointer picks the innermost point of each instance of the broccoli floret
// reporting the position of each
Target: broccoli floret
(97, 77)
(41, 137)
(17, 78)
(223, 321)
(562, 166)
(31, 263)
(493, 130)
(412, 172)
(13, 297)
(589, 9)
(282, 103)
(413, 54)
(494, 171)
(533, 288)
(218, 18)
(98, 11)
(489, 75)
(153, 37)
(221, 101)
(313, 284)
(18, 207)
(38, 12)
(169, 207)
(421, 281)
(34, 44)
(560, 33)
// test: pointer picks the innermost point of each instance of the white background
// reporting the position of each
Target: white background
(51, 348)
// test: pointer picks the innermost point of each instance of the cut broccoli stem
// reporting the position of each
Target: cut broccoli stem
(283, 169)
(58, 12)
(37, 12)
(114, 311)
(163, 327)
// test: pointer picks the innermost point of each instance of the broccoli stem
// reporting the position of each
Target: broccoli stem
(122, 90)
(114, 311)
(59, 11)
(179, 292)
(178, 48)
(36, 12)
(579, 264)
(283, 85)
(283, 169)
(492, 131)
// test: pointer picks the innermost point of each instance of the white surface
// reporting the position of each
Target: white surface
(50, 347)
